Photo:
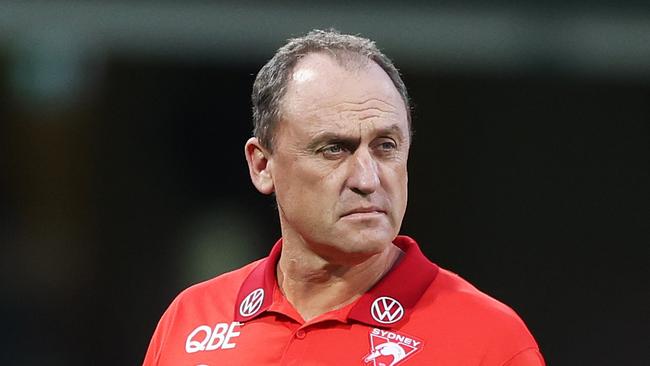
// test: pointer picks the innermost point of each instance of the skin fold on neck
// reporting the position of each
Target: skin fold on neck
(314, 285)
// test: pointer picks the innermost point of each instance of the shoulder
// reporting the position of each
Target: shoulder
(468, 316)
(461, 296)
(197, 305)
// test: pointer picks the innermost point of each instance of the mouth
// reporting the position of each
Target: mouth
(364, 212)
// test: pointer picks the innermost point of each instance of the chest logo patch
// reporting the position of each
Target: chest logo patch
(390, 348)
(252, 303)
(386, 310)
(207, 338)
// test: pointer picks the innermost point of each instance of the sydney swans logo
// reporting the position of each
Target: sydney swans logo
(389, 348)
(252, 303)
(386, 310)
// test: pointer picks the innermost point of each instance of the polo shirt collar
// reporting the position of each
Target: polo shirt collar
(387, 304)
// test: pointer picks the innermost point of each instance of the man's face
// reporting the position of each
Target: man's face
(339, 161)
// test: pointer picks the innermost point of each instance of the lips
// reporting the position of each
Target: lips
(364, 210)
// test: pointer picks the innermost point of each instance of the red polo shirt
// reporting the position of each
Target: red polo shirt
(417, 314)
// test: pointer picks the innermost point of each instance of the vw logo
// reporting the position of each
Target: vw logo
(252, 303)
(386, 310)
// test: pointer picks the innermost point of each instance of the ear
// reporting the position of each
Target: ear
(257, 158)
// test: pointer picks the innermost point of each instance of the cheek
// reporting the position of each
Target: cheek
(397, 189)
(333, 182)
(398, 177)
(305, 184)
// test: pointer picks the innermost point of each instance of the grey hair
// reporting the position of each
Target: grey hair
(271, 82)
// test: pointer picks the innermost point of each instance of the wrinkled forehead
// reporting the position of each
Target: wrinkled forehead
(323, 96)
(357, 118)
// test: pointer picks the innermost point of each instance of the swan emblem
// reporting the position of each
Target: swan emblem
(387, 349)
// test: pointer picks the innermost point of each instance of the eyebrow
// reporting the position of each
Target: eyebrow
(331, 137)
(319, 138)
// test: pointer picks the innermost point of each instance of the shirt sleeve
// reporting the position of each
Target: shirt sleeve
(157, 343)
(527, 357)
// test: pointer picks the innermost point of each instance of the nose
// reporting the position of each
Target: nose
(363, 176)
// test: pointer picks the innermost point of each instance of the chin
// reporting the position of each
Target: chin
(365, 244)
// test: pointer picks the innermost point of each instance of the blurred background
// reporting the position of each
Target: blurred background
(123, 179)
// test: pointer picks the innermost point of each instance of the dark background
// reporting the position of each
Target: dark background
(124, 181)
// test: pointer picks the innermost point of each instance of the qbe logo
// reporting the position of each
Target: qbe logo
(206, 338)
(386, 310)
(252, 303)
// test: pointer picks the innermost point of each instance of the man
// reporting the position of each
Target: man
(332, 137)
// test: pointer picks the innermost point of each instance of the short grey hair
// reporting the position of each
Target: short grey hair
(271, 82)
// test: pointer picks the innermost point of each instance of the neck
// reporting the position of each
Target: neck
(314, 285)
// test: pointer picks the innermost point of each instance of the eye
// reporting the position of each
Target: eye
(386, 145)
(332, 151)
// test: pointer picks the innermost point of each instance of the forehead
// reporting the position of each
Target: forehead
(321, 91)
